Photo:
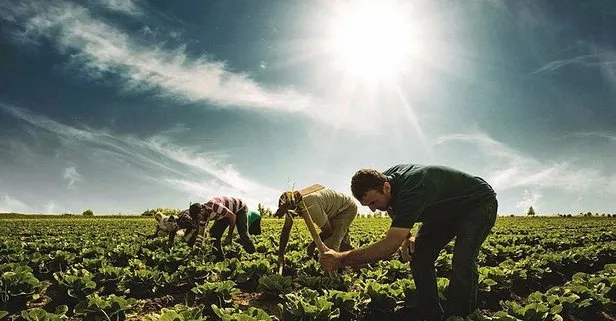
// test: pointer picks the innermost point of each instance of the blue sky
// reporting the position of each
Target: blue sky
(120, 106)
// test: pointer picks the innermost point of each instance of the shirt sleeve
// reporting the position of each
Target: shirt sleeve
(408, 206)
(219, 210)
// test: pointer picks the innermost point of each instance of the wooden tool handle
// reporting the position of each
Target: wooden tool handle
(315, 236)
(313, 232)
(311, 189)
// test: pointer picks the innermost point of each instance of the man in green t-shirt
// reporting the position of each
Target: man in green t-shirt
(449, 203)
(331, 211)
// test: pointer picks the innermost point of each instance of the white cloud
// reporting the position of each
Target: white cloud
(125, 6)
(101, 48)
(205, 164)
(529, 199)
(53, 208)
(174, 164)
(97, 48)
(146, 30)
(507, 168)
(206, 189)
(9, 204)
(604, 60)
(601, 134)
(18, 149)
(70, 174)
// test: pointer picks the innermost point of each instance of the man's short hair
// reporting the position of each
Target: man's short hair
(365, 180)
(194, 209)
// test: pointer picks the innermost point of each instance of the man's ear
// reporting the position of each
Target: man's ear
(386, 187)
(158, 216)
(297, 196)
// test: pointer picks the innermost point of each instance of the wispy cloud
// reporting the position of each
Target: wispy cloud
(204, 189)
(97, 48)
(100, 48)
(17, 149)
(508, 168)
(53, 208)
(529, 198)
(9, 204)
(600, 59)
(603, 60)
(610, 136)
(177, 166)
(70, 174)
(128, 7)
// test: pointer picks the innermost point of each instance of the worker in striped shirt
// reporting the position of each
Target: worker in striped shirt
(225, 212)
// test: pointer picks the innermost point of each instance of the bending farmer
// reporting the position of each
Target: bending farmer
(333, 212)
(224, 211)
(449, 203)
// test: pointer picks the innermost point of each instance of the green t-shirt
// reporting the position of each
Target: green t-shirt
(433, 193)
(253, 216)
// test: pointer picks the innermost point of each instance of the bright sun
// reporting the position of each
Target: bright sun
(371, 39)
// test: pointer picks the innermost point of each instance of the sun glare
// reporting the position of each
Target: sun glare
(371, 39)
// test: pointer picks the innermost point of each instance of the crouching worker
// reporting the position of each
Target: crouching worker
(169, 225)
(225, 212)
(333, 212)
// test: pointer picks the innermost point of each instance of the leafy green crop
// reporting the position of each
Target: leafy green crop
(107, 308)
(100, 269)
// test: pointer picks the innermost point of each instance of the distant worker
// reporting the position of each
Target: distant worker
(224, 211)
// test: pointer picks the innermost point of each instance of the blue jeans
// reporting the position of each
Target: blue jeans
(470, 232)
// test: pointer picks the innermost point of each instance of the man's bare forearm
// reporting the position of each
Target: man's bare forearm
(372, 253)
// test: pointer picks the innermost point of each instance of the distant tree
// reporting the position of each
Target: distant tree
(88, 212)
(569, 215)
(531, 211)
(164, 211)
(588, 214)
(264, 211)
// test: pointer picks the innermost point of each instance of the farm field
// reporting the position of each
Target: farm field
(95, 268)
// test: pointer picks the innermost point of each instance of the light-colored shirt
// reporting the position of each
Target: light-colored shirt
(325, 204)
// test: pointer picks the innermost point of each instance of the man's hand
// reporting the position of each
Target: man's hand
(407, 249)
(331, 260)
